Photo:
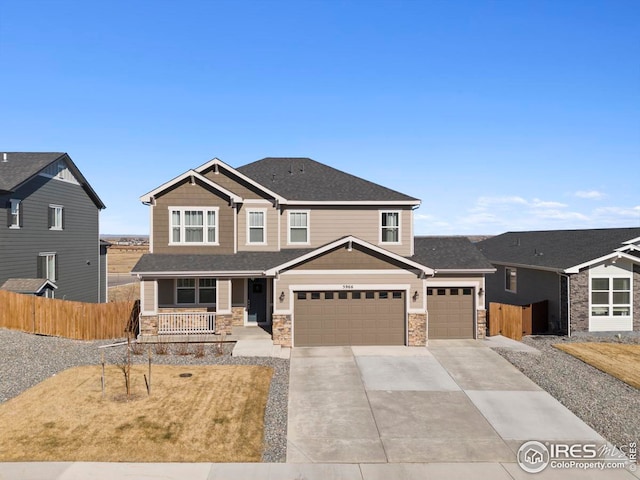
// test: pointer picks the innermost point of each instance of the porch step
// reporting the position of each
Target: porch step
(259, 348)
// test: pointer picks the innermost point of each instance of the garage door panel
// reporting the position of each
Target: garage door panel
(450, 312)
(328, 319)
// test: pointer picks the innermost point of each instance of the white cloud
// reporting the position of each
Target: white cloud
(560, 215)
(592, 194)
(537, 203)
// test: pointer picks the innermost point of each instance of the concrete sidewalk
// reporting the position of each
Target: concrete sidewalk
(288, 471)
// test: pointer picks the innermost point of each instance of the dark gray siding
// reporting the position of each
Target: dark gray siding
(532, 286)
(103, 273)
(76, 246)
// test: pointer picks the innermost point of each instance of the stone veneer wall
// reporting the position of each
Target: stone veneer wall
(149, 325)
(223, 324)
(238, 316)
(281, 330)
(417, 329)
(636, 297)
(579, 295)
(482, 325)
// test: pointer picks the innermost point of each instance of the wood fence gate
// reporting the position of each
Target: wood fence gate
(514, 321)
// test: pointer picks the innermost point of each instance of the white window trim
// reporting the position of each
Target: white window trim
(14, 203)
(611, 305)
(55, 208)
(505, 279)
(264, 226)
(205, 211)
(46, 264)
(308, 213)
(197, 292)
(380, 227)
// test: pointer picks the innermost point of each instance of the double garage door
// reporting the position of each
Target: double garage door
(451, 312)
(349, 318)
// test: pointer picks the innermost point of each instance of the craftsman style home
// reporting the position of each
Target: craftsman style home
(320, 256)
(590, 278)
(49, 243)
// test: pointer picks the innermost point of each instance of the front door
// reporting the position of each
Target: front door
(257, 301)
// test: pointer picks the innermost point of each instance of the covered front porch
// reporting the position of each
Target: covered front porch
(203, 309)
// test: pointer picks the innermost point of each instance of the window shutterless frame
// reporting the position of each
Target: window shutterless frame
(257, 226)
(298, 227)
(193, 225)
(390, 226)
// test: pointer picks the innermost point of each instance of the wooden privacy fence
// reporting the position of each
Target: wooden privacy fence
(63, 318)
(514, 321)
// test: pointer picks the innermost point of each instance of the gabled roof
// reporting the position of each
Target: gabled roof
(21, 167)
(193, 175)
(305, 180)
(450, 255)
(349, 240)
(27, 285)
(557, 250)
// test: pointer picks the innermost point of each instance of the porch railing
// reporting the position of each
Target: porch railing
(186, 323)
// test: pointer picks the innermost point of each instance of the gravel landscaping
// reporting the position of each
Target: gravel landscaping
(606, 404)
(29, 359)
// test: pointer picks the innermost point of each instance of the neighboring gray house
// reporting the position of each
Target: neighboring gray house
(50, 229)
(591, 278)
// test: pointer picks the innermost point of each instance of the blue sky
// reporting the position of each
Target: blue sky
(499, 115)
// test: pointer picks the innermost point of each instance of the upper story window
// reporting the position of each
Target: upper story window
(611, 296)
(510, 279)
(299, 227)
(390, 227)
(256, 226)
(15, 213)
(193, 225)
(56, 217)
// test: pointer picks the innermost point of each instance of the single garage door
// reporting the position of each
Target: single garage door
(450, 312)
(349, 318)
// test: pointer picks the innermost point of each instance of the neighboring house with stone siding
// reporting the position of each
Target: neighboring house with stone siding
(319, 256)
(50, 228)
(591, 278)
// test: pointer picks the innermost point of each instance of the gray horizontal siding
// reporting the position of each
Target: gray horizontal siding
(76, 246)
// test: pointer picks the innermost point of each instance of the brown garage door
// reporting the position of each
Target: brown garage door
(450, 312)
(349, 318)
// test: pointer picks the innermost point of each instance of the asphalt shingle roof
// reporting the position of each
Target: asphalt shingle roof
(556, 249)
(21, 166)
(448, 253)
(239, 262)
(307, 180)
(24, 285)
(454, 253)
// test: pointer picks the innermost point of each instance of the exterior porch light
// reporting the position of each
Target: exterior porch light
(416, 295)
(480, 291)
(281, 296)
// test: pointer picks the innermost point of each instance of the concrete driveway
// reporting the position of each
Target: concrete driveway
(455, 401)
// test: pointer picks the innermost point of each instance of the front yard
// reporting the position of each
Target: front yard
(621, 361)
(215, 414)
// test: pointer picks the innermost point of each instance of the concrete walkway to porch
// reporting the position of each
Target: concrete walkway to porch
(255, 341)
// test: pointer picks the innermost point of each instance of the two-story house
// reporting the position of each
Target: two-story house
(325, 257)
(51, 229)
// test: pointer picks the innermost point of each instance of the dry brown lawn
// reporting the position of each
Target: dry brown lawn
(121, 259)
(619, 360)
(124, 293)
(216, 415)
